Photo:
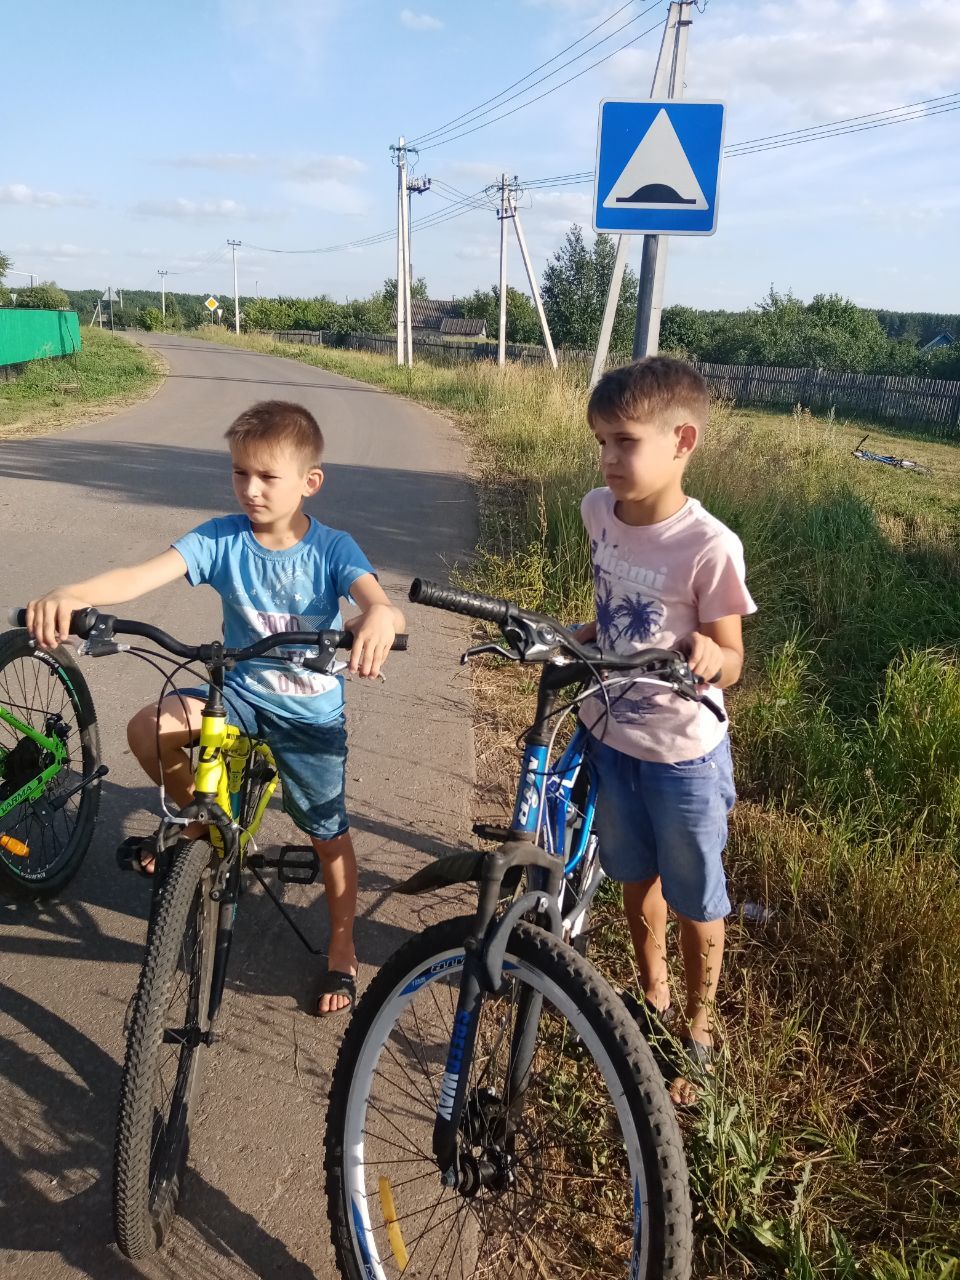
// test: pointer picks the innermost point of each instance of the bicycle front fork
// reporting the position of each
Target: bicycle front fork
(485, 949)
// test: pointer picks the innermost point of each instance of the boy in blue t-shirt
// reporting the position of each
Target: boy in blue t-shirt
(275, 569)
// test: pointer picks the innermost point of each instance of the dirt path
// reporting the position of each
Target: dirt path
(115, 492)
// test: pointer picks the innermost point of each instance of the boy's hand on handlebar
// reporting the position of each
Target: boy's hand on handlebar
(704, 656)
(48, 619)
(374, 632)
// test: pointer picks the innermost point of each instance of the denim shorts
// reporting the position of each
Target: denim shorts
(311, 760)
(666, 820)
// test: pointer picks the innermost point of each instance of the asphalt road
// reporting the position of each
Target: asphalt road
(113, 493)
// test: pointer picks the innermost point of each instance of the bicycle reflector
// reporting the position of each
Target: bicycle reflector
(16, 847)
(394, 1234)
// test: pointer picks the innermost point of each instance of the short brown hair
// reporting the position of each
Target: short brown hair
(647, 390)
(278, 422)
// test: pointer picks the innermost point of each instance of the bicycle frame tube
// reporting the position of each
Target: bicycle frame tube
(36, 786)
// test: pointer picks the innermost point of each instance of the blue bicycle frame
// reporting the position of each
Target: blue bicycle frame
(557, 798)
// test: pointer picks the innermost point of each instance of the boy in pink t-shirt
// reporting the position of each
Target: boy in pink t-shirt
(666, 574)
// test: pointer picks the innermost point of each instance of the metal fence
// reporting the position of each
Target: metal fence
(34, 334)
(928, 404)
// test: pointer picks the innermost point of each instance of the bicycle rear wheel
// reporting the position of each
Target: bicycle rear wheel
(168, 1033)
(46, 690)
(583, 1175)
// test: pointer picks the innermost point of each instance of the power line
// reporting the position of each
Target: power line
(503, 92)
(775, 142)
(442, 141)
(870, 115)
(466, 205)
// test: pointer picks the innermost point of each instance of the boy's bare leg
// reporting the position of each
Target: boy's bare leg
(646, 912)
(702, 947)
(339, 864)
(179, 726)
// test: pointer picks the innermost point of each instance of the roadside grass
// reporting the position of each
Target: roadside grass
(107, 373)
(831, 1145)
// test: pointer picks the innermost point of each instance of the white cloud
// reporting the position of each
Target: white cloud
(812, 60)
(57, 252)
(322, 168)
(197, 210)
(420, 21)
(331, 195)
(231, 160)
(19, 193)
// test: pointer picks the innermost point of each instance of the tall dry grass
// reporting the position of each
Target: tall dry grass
(831, 1146)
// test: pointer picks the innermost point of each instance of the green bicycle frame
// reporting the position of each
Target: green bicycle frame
(35, 788)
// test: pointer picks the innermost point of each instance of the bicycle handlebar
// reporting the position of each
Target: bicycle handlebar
(86, 623)
(489, 608)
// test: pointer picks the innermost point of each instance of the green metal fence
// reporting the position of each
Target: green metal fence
(26, 334)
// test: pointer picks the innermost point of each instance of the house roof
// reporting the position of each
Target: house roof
(464, 326)
(429, 313)
(941, 340)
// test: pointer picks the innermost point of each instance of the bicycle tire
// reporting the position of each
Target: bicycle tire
(149, 1161)
(594, 1030)
(35, 684)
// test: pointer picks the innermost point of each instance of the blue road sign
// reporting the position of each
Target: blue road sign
(658, 167)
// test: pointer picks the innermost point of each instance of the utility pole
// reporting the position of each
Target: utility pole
(163, 292)
(235, 245)
(534, 287)
(667, 82)
(503, 214)
(415, 186)
(400, 153)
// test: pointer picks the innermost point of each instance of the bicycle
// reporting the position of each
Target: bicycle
(888, 459)
(196, 887)
(50, 771)
(494, 1107)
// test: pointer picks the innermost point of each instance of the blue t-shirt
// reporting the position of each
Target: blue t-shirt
(267, 592)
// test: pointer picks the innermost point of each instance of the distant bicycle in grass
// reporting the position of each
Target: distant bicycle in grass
(495, 1110)
(888, 459)
(50, 771)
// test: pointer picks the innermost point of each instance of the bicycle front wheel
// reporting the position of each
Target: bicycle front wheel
(46, 838)
(168, 1032)
(583, 1174)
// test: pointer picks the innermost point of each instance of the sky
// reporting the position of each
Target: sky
(139, 138)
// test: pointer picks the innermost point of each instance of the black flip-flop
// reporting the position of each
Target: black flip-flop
(133, 851)
(335, 982)
(654, 1025)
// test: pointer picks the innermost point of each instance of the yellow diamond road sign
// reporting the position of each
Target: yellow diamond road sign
(211, 304)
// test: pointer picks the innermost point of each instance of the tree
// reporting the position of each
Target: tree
(150, 318)
(523, 323)
(47, 296)
(174, 319)
(5, 261)
(418, 289)
(683, 330)
(575, 284)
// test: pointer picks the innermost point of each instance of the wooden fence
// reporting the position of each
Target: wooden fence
(928, 404)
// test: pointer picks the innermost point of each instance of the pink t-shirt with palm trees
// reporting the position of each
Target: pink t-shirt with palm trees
(654, 584)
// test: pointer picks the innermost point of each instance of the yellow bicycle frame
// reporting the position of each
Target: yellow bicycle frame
(224, 758)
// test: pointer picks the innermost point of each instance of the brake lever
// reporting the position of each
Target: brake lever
(498, 650)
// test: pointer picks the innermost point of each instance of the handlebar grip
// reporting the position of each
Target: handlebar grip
(488, 608)
(399, 642)
(82, 621)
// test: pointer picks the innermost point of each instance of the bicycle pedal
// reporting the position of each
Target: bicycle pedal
(489, 831)
(298, 870)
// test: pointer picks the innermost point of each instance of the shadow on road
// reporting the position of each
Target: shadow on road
(56, 1138)
(407, 522)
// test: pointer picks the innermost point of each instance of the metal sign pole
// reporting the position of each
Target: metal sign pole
(661, 79)
(646, 334)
